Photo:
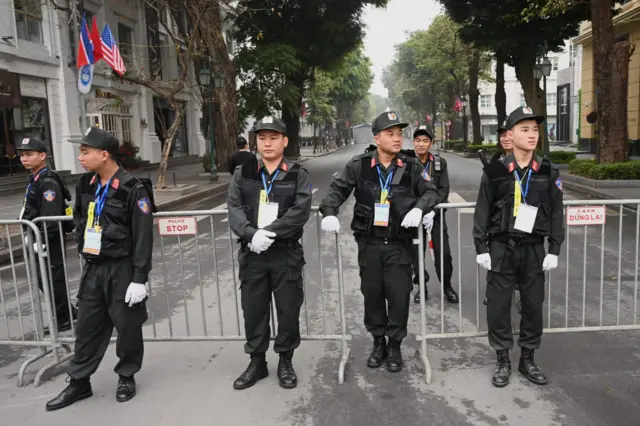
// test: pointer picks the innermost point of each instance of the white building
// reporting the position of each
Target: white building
(515, 97)
(39, 81)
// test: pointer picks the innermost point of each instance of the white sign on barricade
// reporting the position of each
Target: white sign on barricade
(175, 226)
(586, 215)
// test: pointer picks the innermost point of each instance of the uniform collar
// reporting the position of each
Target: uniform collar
(534, 164)
(429, 159)
(115, 180)
(397, 161)
(284, 166)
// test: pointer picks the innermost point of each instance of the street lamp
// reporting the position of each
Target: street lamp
(545, 68)
(206, 78)
(464, 121)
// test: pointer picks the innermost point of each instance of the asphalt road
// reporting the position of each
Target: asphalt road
(593, 375)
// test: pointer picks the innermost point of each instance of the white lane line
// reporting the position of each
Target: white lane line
(226, 219)
(335, 174)
(454, 197)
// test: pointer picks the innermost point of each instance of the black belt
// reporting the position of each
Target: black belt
(276, 243)
(516, 239)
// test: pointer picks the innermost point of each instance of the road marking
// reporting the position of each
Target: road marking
(454, 197)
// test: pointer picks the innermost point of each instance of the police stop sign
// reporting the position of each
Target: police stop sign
(177, 226)
(586, 215)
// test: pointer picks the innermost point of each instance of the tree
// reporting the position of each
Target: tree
(498, 26)
(377, 105)
(610, 63)
(300, 36)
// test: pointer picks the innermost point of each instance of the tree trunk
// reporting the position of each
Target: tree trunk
(616, 149)
(171, 132)
(501, 95)
(533, 94)
(603, 36)
(291, 118)
(474, 94)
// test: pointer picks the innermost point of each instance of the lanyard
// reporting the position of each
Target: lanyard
(100, 199)
(264, 181)
(524, 190)
(427, 167)
(384, 185)
(33, 180)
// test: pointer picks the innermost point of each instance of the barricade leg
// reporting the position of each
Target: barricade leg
(423, 320)
(346, 351)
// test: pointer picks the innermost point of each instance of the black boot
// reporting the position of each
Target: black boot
(529, 369)
(286, 374)
(77, 390)
(394, 356)
(257, 370)
(126, 388)
(451, 295)
(416, 298)
(378, 353)
(502, 372)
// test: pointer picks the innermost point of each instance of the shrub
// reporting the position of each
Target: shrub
(128, 156)
(489, 148)
(206, 163)
(629, 170)
(562, 157)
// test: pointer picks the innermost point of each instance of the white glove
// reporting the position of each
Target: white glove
(261, 241)
(26, 240)
(427, 220)
(484, 260)
(35, 249)
(135, 294)
(550, 262)
(413, 218)
(330, 224)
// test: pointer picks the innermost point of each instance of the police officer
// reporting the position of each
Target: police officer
(114, 231)
(47, 195)
(434, 169)
(268, 208)
(391, 197)
(519, 204)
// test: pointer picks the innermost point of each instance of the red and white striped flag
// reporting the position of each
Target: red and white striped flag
(111, 53)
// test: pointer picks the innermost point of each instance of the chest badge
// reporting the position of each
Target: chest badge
(49, 195)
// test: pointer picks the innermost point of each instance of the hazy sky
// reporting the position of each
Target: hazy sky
(388, 27)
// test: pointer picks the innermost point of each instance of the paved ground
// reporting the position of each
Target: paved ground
(593, 375)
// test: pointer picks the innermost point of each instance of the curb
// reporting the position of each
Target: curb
(586, 190)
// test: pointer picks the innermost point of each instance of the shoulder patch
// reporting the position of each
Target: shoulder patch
(559, 184)
(49, 195)
(144, 205)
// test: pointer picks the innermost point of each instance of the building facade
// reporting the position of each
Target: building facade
(39, 95)
(626, 25)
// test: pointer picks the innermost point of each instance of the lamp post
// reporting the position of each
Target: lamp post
(546, 72)
(464, 121)
(210, 83)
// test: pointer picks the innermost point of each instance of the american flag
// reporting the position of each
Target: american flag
(110, 51)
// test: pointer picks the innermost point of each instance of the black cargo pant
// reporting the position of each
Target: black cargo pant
(101, 307)
(277, 271)
(57, 280)
(385, 282)
(515, 262)
(441, 247)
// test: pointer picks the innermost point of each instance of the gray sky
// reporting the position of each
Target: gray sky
(388, 27)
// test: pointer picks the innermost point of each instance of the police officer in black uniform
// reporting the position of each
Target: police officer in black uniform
(434, 169)
(47, 195)
(519, 204)
(114, 232)
(391, 198)
(268, 208)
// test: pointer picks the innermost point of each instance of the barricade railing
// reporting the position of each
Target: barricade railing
(22, 308)
(190, 266)
(584, 306)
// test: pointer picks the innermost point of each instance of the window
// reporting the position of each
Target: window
(125, 44)
(29, 20)
(73, 40)
(573, 54)
(554, 63)
(523, 102)
(551, 100)
(486, 101)
(115, 119)
(154, 49)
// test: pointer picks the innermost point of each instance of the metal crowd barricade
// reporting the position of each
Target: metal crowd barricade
(27, 315)
(575, 315)
(206, 276)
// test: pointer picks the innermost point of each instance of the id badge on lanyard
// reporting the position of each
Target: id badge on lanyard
(382, 209)
(267, 211)
(93, 231)
(525, 214)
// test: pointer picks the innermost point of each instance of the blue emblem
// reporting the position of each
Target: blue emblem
(144, 205)
(425, 175)
(49, 195)
(559, 184)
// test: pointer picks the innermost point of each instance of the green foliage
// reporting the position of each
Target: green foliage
(128, 156)
(561, 157)
(377, 105)
(491, 148)
(628, 170)
(206, 163)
